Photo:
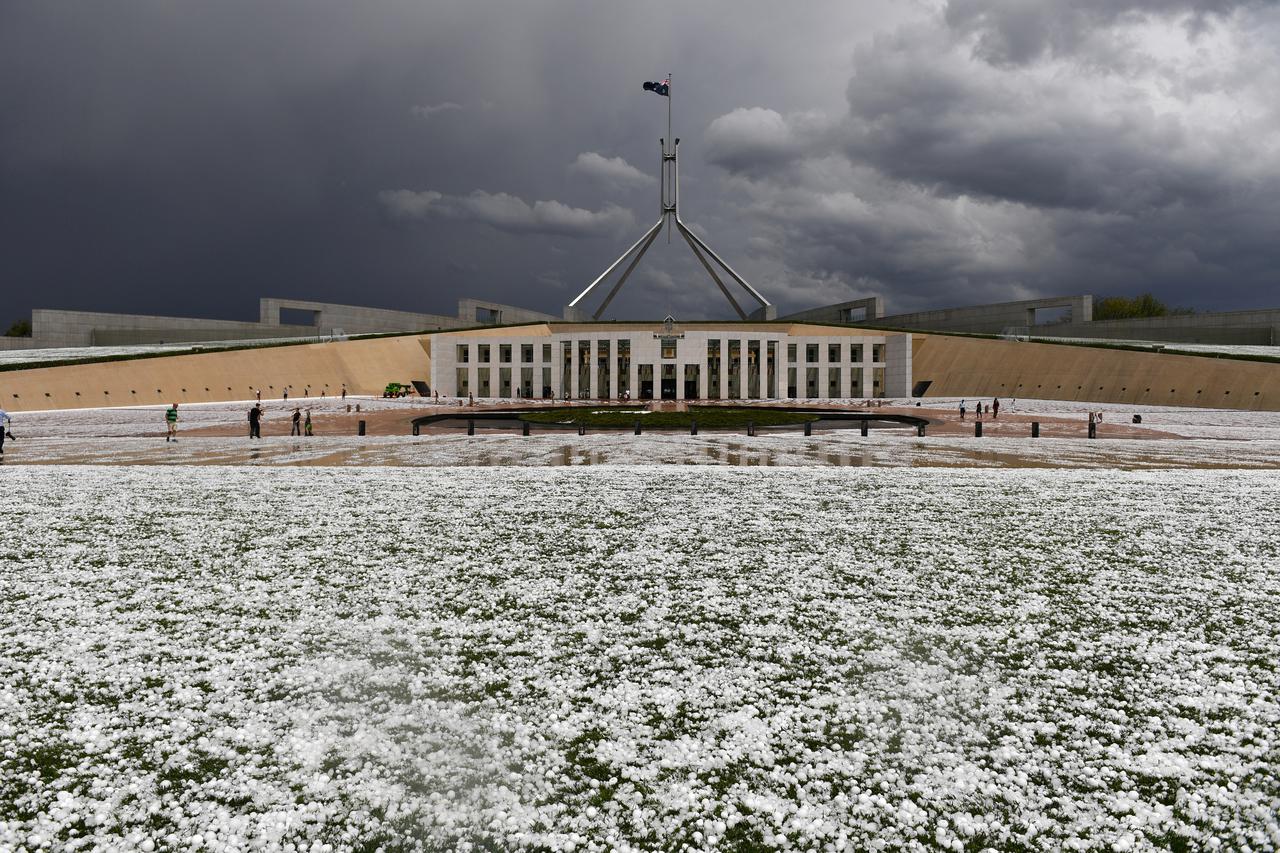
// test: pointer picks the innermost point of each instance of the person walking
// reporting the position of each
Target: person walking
(962, 410)
(297, 422)
(995, 408)
(171, 421)
(255, 422)
(286, 394)
(6, 423)
(307, 424)
(258, 394)
(344, 391)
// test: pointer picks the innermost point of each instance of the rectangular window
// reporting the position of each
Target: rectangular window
(877, 382)
(624, 367)
(791, 353)
(602, 369)
(855, 353)
(811, 382)
(791, 382)
(833, 383)
(811, 353)
(526, 382)
(713, 369)
(546, 353)
(877, 353)
(669, 347)
(526, 353)
(833, 353)
(753, 370)
(584, 369)
(772, 371)
(855, 382)
(546, 380)
(504, 353)
(483, 378)
(461, 385)
(504, 381)
(735, 370)
(464, 353)
(483, 353)
(566, 369)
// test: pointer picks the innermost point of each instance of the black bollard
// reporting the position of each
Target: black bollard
(471, 427)
(1035, 429)
(920, 430)
(524, 427)
(582, 429)
(1093, 430)
(693, 427)
(415, 428)
(808, 427)
(977, 430)
(863, 426)
(637, 426)
(751, 428)
(360, 428)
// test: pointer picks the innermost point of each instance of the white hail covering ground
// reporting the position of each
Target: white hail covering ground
(139, 421)
(638, 658)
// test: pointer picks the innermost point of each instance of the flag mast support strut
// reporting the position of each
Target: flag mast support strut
(669, 216)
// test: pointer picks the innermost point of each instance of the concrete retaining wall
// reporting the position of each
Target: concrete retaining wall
(854, 311)
(992, 319)
(1224, 327)
(354, 319)
(469, 314)
(55, 328)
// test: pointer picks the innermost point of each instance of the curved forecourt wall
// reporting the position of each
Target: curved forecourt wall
(365, 366)
(959, 367)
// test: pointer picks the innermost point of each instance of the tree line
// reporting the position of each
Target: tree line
(1133, 307)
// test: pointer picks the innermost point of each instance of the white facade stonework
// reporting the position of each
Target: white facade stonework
(749, 361)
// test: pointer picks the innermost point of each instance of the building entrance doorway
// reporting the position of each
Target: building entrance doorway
(668, 381)
(691, 375)
(645, 381)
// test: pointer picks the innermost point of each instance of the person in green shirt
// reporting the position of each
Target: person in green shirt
(171, 421)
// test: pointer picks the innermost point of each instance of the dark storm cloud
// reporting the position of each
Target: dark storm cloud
(1021, 31)
(956, 176)
(189, 157)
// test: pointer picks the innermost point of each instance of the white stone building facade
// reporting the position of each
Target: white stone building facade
(674, 361)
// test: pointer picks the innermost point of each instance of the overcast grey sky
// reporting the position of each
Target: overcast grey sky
(175, 157)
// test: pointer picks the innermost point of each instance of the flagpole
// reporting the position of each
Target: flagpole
(671, 140)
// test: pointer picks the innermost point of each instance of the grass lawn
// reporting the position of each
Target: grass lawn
(708, 417)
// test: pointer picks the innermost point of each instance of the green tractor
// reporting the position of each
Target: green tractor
(396, 389)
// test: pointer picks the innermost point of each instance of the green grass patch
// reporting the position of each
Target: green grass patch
(708, 417)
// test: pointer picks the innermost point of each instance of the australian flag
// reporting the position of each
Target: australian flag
(663, 88)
